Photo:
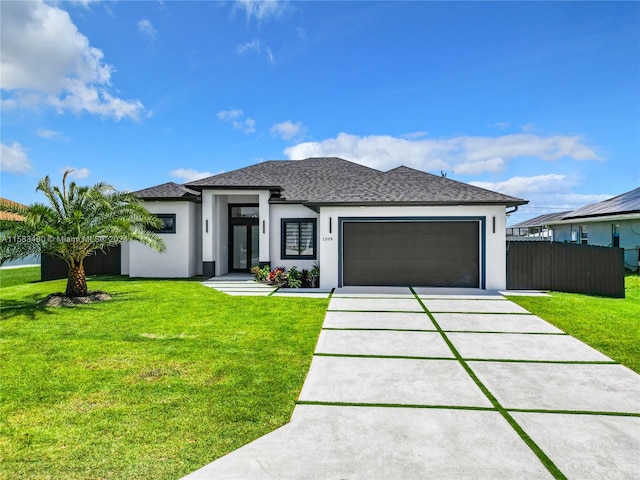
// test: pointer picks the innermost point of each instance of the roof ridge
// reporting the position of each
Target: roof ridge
(329, 180)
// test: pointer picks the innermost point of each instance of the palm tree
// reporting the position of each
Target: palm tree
(75, 223)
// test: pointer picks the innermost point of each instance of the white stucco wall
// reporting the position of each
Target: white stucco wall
(182, 257)
(124, 258)
(278, 212)
(494, 242)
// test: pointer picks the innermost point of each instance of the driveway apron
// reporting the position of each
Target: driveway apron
(448, 384)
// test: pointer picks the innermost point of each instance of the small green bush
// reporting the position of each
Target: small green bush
(314, 276)
(294, 278)
(261, 274)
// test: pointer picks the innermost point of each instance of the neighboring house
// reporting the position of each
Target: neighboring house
(8, 215)
(31, 259)
(613, 223)
(536, 229)
(360, 225)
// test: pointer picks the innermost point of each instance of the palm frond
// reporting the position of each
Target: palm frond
(80, 219)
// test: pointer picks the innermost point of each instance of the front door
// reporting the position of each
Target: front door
(244, 237)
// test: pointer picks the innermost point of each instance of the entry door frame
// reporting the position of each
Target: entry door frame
(248, 222)
(483, 237)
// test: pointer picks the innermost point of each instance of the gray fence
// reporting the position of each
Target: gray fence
(565, 267)
(99, 263)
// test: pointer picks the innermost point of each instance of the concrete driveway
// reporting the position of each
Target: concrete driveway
(440, 384)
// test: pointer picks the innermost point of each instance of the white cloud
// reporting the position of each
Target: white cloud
(48, 134)
(547, 193)
(463, 154)
(13, 158)
(261, 10)
(229, 114)
(45, 60)
(84, 3)
(520, 186)
(247, 125)
(252, 46)
(475, 167)
(146, 28)
(188, 174)
(256, 46)
(237, 119)
(76, 172)
(288, 130)
(270, 56)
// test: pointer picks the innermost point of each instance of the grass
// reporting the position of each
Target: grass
(16, 276)
(610, 325)
(159, 381)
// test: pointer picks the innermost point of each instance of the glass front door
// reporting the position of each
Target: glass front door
(244, 238)
(240, 246)
(245, 247)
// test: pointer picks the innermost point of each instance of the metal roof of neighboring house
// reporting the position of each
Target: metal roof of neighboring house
(328, 181)
(540, 220)
(628, 202)
(168, 191)
(10, 215)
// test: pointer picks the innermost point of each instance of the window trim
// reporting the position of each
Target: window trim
(165, 215)
(615, 235)
(283, 238)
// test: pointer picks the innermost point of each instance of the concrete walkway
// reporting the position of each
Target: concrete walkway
(445, 384)
(241, 284)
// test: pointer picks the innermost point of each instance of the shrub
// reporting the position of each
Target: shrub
(294, 278)
(261, 274)
(278, 276)
(314, 276)
(255, 271)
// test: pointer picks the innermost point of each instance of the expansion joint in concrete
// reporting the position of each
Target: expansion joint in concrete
(542, 456)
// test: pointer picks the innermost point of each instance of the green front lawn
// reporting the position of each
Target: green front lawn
(16, 276)
(159, 381)
(611, 325)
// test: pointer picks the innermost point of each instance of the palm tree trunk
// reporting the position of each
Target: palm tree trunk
(76, 281)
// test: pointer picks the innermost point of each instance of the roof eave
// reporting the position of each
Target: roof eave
(171, 199)
(379, 203)
(600, 217)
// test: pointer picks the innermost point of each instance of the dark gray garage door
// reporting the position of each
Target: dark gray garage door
(429, 254)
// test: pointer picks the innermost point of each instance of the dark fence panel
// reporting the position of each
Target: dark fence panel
(565, 267)
(99, 263)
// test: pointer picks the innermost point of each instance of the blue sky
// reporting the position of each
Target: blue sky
(539, 100)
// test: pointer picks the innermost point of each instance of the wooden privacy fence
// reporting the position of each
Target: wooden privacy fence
(565, 267)
(100, 263)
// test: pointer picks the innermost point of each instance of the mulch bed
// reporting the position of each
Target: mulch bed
(61, 300)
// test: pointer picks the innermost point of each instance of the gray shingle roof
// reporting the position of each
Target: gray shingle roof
(318, 181)
(168, 191)
(628, 202)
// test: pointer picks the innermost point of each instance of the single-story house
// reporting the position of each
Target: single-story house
(611, 223)
(361, 226)
(536, 228)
